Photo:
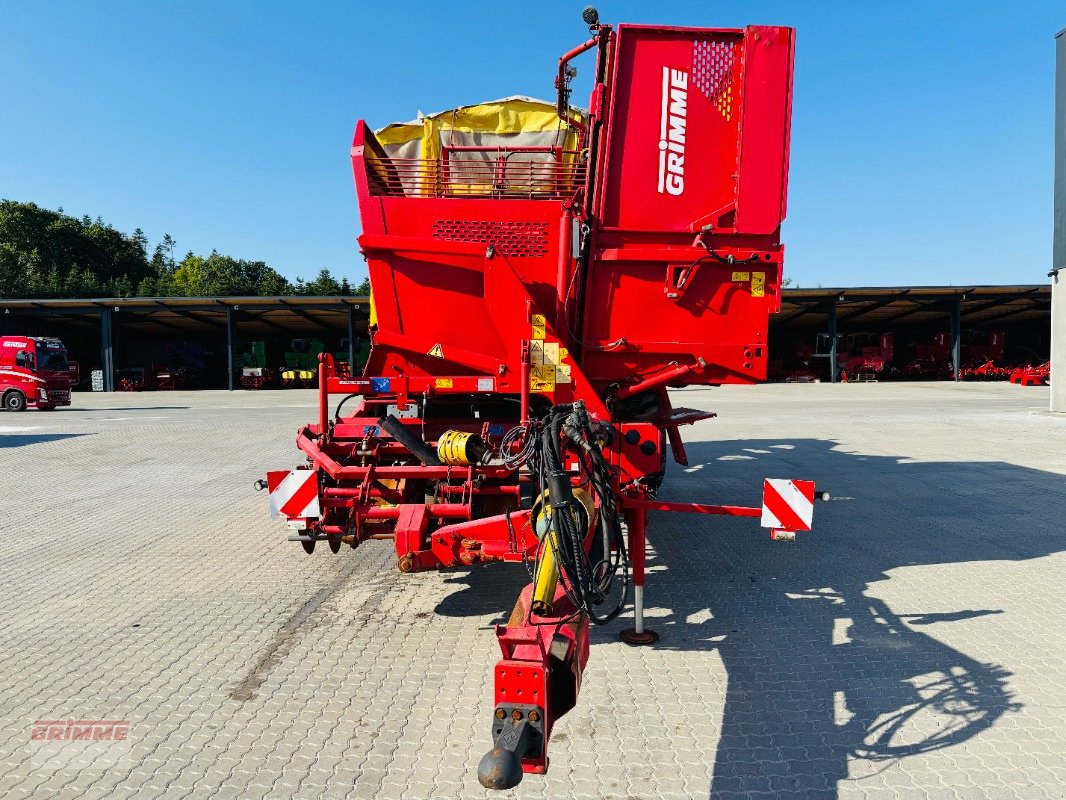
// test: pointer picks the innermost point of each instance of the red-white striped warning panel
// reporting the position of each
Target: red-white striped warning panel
(787, 505)
(293, 493)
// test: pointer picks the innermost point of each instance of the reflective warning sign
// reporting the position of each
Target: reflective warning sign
(436, 351)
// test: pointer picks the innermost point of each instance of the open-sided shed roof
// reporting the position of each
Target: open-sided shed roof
(884, 307)
(205, 315)
(875, 307)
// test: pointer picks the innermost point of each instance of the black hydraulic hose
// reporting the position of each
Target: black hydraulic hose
(401, 433)
(340, 405)
(590, 578)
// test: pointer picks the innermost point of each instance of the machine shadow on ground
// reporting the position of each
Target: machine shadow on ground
(481, 590)
(101, 409)
(25, 439)
(822, 675)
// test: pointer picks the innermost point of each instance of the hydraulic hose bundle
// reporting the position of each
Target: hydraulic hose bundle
(585, 545)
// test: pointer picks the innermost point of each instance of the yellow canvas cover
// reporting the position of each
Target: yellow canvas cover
(518, 121)
(429, 163)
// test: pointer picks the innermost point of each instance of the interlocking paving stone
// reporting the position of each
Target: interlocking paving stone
(911, 646)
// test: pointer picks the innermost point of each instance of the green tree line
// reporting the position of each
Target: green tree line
(47, 253)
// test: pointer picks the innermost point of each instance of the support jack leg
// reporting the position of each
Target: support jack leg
(638, 635)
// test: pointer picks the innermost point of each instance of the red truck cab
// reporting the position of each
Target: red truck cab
(33, 372)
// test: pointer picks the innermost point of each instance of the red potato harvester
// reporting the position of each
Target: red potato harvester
(540, 276)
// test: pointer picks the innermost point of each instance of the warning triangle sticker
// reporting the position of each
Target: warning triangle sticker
(436, 351)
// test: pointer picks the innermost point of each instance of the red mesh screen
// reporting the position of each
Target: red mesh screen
(516, 239)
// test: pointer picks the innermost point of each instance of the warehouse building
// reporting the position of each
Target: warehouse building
(197, 342)
(930, 332)
(820, 334)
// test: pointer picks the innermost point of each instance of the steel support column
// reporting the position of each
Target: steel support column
(833, 371)
(107, 349)
(351, 341)
(1058, 259)
(956, 336)
(229, 345)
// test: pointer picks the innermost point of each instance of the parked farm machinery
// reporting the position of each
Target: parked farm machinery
(252, 369)
(868, 356)
(1039, 375)
(541, 275)
(138, 379)
(986, 371)
(300, 369)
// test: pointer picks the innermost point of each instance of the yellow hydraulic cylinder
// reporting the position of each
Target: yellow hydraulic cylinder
(547, 573)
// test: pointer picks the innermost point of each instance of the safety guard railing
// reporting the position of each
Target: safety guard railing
(475, 171)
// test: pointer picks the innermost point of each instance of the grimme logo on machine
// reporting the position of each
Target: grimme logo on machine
(672, 131)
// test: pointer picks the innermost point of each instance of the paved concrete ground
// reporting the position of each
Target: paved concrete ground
(912, 646)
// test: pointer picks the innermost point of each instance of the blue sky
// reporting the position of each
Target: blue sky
(922, 131)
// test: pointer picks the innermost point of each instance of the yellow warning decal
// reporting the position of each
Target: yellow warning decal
(551, 353)
(741, 277)
(536, 352)
(436, 351)
(538, 326)
(563, 353)
(562, 373)
(758, 284)
(542, 378)
(443, 383)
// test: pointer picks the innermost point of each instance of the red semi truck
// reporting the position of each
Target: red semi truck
(33, 372)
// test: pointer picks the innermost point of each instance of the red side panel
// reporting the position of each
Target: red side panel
(696, 143)
(767, 113)
(455, 278)
(674, 120)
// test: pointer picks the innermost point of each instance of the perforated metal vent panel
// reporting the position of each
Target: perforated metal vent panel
(712, 72)
(516, 239)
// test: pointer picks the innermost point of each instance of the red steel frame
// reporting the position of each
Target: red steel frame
(630, 290)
